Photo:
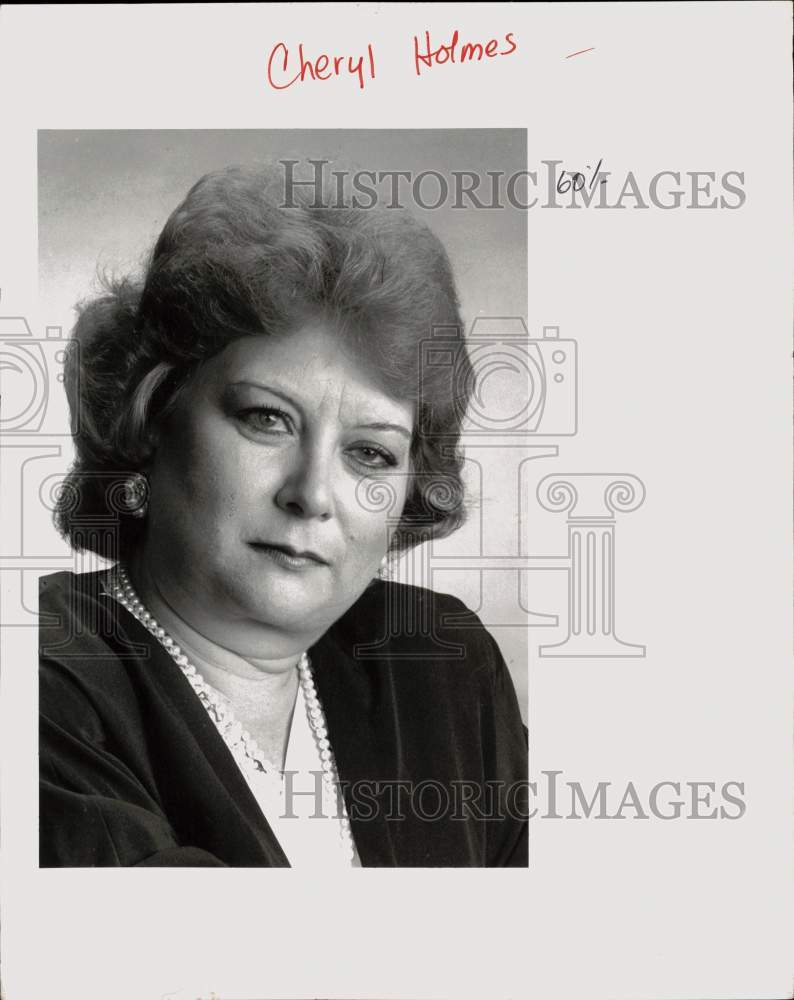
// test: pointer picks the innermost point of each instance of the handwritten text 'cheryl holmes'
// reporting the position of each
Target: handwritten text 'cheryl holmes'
(286, 67)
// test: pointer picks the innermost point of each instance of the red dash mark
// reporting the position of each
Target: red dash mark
(591, 49)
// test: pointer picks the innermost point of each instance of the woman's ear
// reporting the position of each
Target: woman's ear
(153, 435)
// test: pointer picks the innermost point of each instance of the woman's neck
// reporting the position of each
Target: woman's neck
(266, 686)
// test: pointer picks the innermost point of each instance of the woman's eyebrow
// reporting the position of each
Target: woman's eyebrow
(379, 426)
(269, 388)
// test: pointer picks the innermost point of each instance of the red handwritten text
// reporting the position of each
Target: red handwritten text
(280, 64)
(468, 51)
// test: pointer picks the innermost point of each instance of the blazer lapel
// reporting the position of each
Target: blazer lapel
(170, 695)
(365, 741)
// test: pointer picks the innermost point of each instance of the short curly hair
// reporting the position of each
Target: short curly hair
(234, 261)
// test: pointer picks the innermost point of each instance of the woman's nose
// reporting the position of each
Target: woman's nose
(306, 489)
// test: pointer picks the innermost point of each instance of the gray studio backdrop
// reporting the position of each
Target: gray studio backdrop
(103, 197)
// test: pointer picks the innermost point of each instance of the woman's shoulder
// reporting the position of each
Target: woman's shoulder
(65, 586)
(421, 660)
(400, 621)
(74, 610)
(81, 647)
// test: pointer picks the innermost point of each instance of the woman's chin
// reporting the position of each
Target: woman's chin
(292, 605)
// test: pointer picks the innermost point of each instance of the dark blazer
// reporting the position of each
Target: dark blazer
(422, 717)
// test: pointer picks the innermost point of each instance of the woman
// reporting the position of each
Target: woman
(257, 429)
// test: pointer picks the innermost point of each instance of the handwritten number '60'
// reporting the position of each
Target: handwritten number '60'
(574, 180)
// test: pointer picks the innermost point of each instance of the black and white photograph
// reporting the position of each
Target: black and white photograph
(267, 425)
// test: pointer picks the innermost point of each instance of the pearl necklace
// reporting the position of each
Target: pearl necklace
(243, 746)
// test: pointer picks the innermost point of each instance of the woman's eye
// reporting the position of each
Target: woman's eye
(373, 457)
(266, 418)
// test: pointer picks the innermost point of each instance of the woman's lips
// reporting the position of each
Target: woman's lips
(289, 558)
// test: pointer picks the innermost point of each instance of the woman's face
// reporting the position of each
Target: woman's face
(261, 521)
